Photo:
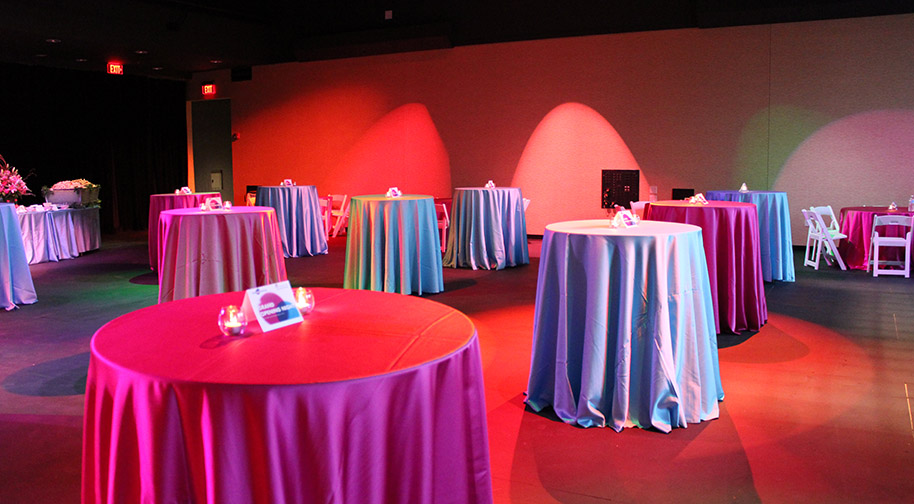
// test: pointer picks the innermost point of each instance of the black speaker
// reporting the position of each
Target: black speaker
(620, 187)
(683, 193)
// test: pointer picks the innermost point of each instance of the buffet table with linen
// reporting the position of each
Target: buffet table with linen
(207, 252)
(857, 225)
(298, 212)
(623, 329)
(16, 286)
(392, 245)
(731, 238)
(351, 405)
(488, 229)
(158, 203)
(775, 241)
(55, 235)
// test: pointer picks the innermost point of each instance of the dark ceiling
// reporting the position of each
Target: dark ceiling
(181, 37)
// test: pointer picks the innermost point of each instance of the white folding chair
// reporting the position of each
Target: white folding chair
(443, 222)
(326, 203)
(638, 208)
(818, 237)
(250, 198)
(879, 240)
(526, 204)
(828, 217)
(340, 212)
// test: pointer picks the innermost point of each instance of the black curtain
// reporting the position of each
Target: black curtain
(127, 133)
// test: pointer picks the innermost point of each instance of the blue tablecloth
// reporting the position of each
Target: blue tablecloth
(392, 245)
(15, 278)
(774, 230)
(623, 329)
(56, 235)
(298, 211)
(488, 229)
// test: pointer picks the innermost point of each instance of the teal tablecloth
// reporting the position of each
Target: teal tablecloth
(773, 229)
(298, 212)
(623, 328)
(392, 245)
(488, 229)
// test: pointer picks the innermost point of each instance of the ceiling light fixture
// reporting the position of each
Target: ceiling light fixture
(141, 51)
(81, 60)
(215, 61)
(52, 40)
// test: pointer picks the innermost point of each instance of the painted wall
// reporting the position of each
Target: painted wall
(822, 110)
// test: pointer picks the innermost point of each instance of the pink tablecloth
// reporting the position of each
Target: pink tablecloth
(218, 251)
(158, 203)
(857, 224)
(731, 238)
(352, 405)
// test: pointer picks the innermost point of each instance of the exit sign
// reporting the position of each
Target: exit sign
(115, 68)
(209, 89)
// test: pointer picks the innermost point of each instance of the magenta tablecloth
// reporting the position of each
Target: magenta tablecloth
(158, 203)
(218, 251)
(857, 225)
(731, 239)
(352, 405)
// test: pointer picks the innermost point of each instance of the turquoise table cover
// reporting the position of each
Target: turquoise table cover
(392, 245)
(15, 277)
(775, 239)
(623, 329)
(298, 211)
(488, 229)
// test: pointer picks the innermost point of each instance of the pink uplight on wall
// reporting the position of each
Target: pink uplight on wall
(561, 167)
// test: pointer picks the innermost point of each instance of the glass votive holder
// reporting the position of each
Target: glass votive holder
(227, 205)
(177, 191)
(202, 207)
(232, 321)
(304, 300)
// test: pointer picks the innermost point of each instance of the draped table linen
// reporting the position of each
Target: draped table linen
(16, 286)
(392, 245)
(158, 203)
(857, 225)
(352, 405)
(488, 229)
(298, 212)
(731, 238)
(623, 330)
(55, 235)
(775, 239)
(208, 252)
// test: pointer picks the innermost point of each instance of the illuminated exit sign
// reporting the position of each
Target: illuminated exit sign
(209, 89)
(115, 68)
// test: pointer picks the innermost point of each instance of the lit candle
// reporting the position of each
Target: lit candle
(304, 300)
(231, 320)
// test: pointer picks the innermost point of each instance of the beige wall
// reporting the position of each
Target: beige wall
(822, 110)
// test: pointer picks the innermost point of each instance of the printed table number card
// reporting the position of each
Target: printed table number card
(273, 306)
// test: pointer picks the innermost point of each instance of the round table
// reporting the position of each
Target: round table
(392, 245)
(857, 225)
(207, 252)
(731, 238)
(623, 329)
(158, 203)
(488, 229)
(298, 212)
(775, 239)
(16, 284)
(351, 405)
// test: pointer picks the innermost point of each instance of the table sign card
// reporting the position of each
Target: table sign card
(625, 219)
(698, 198)
(214, 203)
(186, 190)
(273, 306)
(490, 185)
(394, 192)
(743, 188)
(287, 182)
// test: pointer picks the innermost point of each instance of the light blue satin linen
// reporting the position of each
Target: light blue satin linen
(773, 228)
(488, 229)
(392, 245)
(298, 211)
(15, 277)
(623, 330)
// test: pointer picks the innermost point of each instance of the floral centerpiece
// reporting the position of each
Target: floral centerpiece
(12, 185)
(79, 192)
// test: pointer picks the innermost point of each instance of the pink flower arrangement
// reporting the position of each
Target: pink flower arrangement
(12, 186)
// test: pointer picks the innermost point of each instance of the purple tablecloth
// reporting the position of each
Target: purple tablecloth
(15, 277)
(731, 239)
(218, 251)
(59, 234)
(158, 203)
(352, 405)
(857, 225)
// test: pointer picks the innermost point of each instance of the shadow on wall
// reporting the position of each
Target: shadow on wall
(562, 164)
(862, 159)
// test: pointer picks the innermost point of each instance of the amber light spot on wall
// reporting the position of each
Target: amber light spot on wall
(562, 164)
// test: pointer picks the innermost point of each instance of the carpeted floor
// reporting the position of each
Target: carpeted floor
(817, 407)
